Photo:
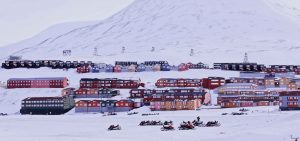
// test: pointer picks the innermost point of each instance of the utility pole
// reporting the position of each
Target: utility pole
(246, 58)
(192, 52)
(123, 49)
(96, 51)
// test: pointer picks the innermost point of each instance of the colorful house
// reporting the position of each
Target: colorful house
(94, 106)
(81, 106)
(109, 68)
(182, 67)
(289, 100)
(124, 105)
(156, 67)
(118, 68)
(141, 68)
(165, 67)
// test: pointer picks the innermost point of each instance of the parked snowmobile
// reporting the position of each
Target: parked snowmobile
(198, 123)
(186, 126)
(243, 110)
(238, 113)
(150, 123)
(213, 124)
(132, 113)
(167, 126)
(113, 127)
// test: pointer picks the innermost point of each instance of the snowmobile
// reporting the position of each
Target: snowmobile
(149, 123)
(198, 123)
(167, 126)
(213, 124)
(150, 114)
(132, 113)
(113, 127)
(186, 126)
(243, 110)
(3, 114)
(111, 114)
(238, 113)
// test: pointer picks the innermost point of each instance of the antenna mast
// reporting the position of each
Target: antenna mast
(246, 58)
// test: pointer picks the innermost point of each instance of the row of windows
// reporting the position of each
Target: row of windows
(173, 106)
(98, 85)
(50, 101)
(292, 103)
(42, 105)
(119, 81)
(38, 84)
(186, 96)
(85, 105)
(38, 81)
(293, 98)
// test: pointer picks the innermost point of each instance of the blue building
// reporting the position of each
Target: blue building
(289, 100)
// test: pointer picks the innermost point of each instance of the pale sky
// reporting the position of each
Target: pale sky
(21, 19)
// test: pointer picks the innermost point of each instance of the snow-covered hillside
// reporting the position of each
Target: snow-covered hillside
(213, 28)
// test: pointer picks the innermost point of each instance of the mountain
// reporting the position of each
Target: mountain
(217, 30)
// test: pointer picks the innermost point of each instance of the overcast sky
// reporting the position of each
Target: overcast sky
(21, 19)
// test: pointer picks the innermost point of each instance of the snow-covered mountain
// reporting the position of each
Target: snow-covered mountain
(218, 30)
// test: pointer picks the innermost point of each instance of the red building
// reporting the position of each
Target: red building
(212, 82)
(81, 106)
(94, 106)
(110, 83)
(297, 71)
(117, 68)
(83, 69)
(183, 67)
(124, 105)
(50, 82)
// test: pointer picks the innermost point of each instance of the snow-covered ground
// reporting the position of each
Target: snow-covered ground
(261, 123)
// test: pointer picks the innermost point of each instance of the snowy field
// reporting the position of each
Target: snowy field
(261, 123)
